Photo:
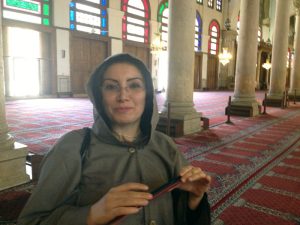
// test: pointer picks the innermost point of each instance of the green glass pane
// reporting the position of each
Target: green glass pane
(46, 22)
(23, 5)
(46, 10)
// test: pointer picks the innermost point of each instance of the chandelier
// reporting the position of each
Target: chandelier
(157, 45)
(225, 57)
(267, 65)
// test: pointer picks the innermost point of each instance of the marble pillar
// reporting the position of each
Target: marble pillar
(295, 74)
(244, 100)
(181, 54)
(279, 54)
(12, 154)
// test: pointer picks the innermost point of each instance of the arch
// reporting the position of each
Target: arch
(89, 16)
(214, 37)
(135, 24)
(163, 18)
(198, 32)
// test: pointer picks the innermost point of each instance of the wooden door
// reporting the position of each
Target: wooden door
(198, 72)
(86, 55)
(212, 72)
(141, 52)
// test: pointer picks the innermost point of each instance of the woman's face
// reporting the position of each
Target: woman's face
(124, 94)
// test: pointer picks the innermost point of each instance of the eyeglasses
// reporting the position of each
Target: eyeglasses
(135, 85)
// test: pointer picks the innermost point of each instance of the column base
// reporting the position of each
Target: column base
(13, 165)
(275, 101)
(243, 109)
(292, 97)
(180, 125)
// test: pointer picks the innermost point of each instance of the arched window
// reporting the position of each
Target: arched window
(219, 5)
(198, 32)
(210, 3)
(33, 11)
(199, 2)
(214, 37)
(136, 20)
(163, 18)
(89, 16)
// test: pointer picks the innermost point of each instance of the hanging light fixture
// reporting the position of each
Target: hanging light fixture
(225, 57)
(157, 45)
(267, 65)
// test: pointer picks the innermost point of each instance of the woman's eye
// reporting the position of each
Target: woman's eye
(111, 87)
(136, 86)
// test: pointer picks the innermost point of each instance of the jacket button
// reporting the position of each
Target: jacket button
(152, 222)
(131, 150)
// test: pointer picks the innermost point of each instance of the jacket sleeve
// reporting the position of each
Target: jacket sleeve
(185, 216)
(54, 198)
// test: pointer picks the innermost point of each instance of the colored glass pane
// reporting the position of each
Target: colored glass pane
(31, 6)
(198, 32)
(214, 31)
(135, 21)
(88, 16)
(219, 5)
(31, 11)
(46, 10)
(46, 22)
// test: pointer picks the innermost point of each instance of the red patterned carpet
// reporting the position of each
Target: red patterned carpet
(254, 162)
(255, 165)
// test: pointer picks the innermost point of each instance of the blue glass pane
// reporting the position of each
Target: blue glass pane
(104, 33)
(103, 12)
(72, 4)
(72, 15)
(72, 26)
(103, 22)
(103, 2)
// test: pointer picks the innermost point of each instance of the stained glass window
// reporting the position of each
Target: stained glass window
(198, 32)
(199, 2)
(163, 18)
(89, 16)
(210, 3)
(31, 11)
(136, 20)
(219, 5)
(214, 37)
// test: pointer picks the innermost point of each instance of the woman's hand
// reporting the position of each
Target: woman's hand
(119, 201)
(195, 181)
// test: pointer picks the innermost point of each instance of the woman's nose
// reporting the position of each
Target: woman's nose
(124, 93)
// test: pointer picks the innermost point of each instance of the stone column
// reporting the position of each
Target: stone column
(227, 71)
(295, 75)
(279, 53)
(244, 100)
(181, 53)
(12, 154)
(115, 16)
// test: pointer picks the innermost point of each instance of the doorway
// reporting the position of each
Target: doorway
(22, 56)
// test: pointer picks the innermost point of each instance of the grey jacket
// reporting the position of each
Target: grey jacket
(68, 187)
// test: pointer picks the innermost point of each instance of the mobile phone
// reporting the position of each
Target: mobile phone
(169, 186)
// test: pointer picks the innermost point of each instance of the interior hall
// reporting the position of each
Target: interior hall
(226, 75)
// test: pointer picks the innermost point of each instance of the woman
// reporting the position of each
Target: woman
(126, 160)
